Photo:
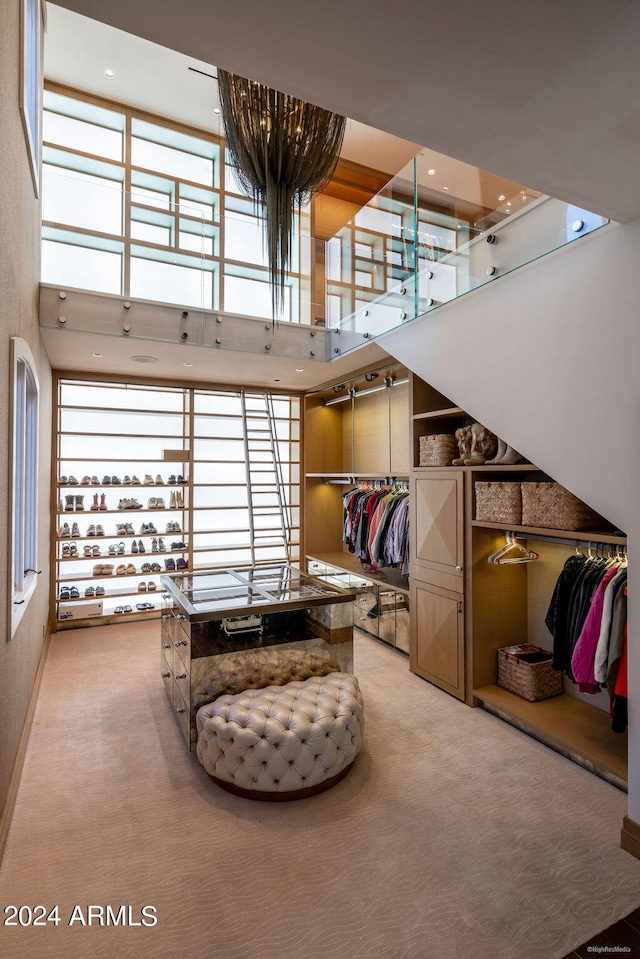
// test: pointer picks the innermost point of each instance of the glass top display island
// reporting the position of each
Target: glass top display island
(226, 630)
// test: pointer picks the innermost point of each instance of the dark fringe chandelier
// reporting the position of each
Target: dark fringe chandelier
(285, 152)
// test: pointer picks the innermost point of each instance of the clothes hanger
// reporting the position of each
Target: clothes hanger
(513, 552)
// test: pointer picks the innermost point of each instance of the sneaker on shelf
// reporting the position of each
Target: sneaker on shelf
(85, 481)
(148, 480)
(135, 481)
(159, 480)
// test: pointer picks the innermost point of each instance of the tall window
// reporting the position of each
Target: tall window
(143, 209)
(24, 479)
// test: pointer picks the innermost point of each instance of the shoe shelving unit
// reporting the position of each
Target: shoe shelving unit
(225, 464)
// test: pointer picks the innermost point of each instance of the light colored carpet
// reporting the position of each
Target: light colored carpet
(453, 836)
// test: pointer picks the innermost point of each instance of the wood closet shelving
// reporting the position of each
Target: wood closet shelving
(364, 438)
(464, 608)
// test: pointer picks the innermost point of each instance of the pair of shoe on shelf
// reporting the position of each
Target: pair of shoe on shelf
(69, 550)
(145, 606)
(89, 481)
(129, 504)
(131, 481)
(64, 532)
(149, 480)
(111, 481)
(100, 569)
(91, 591)
(176, 479)
(176, 500)
(149, 587)
(147, 529)
(151, 568)
(74, 503)
(123, 570)
(123, 609)
(69, 592)
(68, 481)
(156, 502)
(175, 564)
(138, 547)
(99, 503)
(124, 529)
(157, 545)
(91, 551)
(95, 530)
(179, 546)
(173, 527)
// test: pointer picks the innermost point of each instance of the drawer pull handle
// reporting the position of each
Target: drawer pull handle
(459, 569)
(166, 675)
(166, 645)
(182, 676)
(180, 709)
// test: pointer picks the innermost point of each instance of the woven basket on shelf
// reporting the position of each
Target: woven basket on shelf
(499, 503)
(526, 671)
(438, 449)
(554, 507)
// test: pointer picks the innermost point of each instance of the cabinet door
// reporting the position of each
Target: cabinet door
(437, 534)
(437, 637)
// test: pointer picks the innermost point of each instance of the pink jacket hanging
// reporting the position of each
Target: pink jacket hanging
(584, 653)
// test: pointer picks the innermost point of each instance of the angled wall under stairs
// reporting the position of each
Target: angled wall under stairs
(548, 357)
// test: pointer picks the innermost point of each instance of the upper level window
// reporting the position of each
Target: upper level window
(24, 480)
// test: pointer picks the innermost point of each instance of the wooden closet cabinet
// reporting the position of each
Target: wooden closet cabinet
(437, 579)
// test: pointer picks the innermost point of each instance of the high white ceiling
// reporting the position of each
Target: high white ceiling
(546, 94)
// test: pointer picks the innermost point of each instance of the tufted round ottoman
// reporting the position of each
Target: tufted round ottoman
(282, 742)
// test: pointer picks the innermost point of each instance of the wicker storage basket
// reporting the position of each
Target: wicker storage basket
(551, 505)
(499, 503)
(438, 449)
(526, 671)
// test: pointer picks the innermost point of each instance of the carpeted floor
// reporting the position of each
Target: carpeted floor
(453, 836)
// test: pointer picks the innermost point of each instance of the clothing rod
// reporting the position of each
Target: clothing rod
(354, 480)
(564, 541)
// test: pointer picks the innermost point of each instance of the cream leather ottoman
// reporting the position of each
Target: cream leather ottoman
(282, 742)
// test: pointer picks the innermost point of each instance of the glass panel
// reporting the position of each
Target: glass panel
(205, 402)
(82, 110)
(252, 297)
(113, 397)
(110, 422)
(152, 190)
(229, 557)
(216, 495)
(221, 539)
(76, 266)
(243, 240)
(226, 472)
(220, 519)
(218, 426)
(199, 237)
(170, 282)
(79, 135)
(153, 156)
(195, 200)
(81, 200)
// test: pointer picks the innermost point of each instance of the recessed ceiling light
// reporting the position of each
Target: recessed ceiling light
(188, 364)
(431, 172)
(445, 188)
(502, 197)
(97, 354)
(216, 111)
(109, 74)
(276, 381)
(299, 369)
(141, 358)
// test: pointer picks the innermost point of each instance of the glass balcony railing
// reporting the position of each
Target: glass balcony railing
(181, 272)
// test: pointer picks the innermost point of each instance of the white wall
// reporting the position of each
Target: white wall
(549, 358)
